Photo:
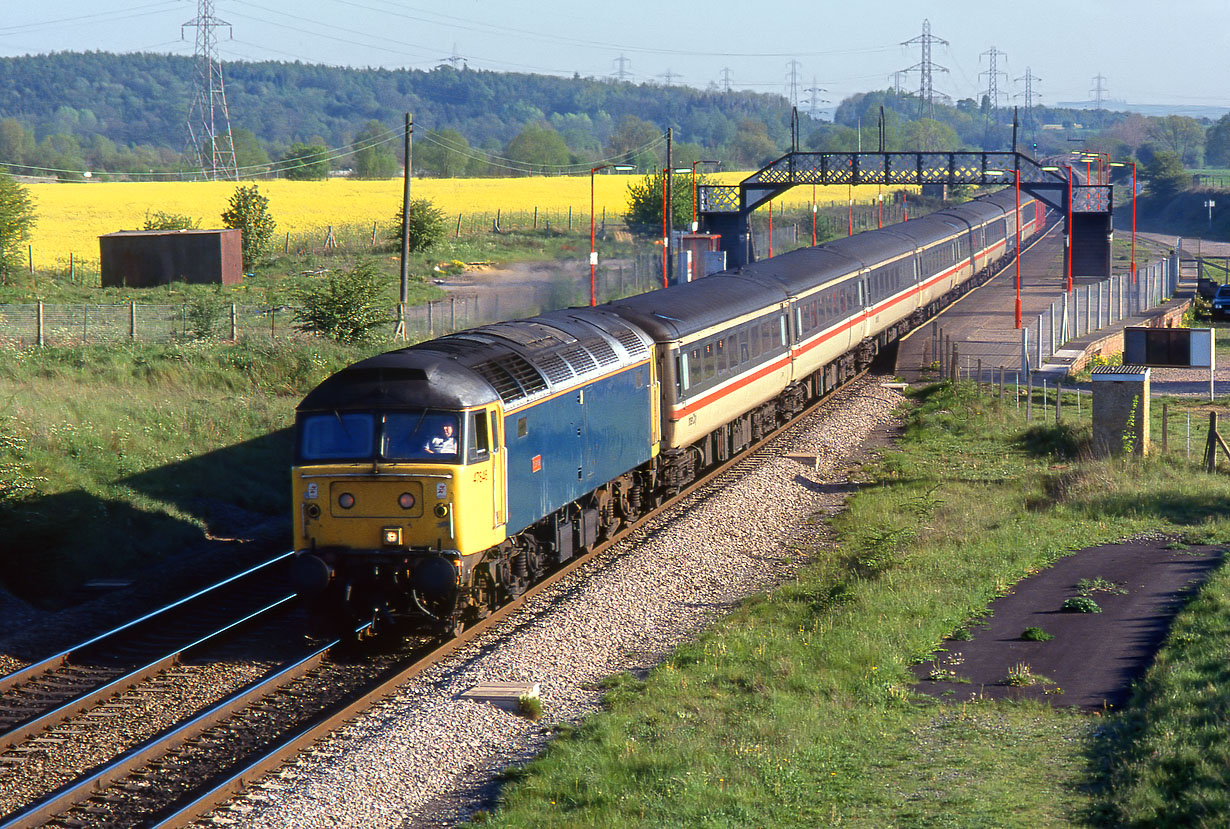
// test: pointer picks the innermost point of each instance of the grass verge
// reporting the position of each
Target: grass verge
(797, 709)
(113, 457)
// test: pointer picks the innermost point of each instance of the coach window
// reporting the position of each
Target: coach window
(707, 361)
(696, 368)
(681, 373)
(745, 353)
(719, 352)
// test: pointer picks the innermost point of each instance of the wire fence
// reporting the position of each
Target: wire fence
(565, 285)
(1084, 310)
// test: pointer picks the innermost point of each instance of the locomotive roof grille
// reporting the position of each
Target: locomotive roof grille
(602, 351)
(557, 370)
(512, 377)
(580, 359)
(633, 344)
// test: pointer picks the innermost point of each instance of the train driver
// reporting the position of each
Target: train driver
(444, 443)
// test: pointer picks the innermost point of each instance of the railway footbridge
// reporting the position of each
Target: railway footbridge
(727, 209)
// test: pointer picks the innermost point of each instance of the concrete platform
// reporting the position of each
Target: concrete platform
(982, 324)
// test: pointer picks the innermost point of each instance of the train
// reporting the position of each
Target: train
(436, 482)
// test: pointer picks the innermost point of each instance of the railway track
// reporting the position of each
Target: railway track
(55, 689)
(188, 770)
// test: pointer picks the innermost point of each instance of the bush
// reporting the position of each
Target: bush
(427, 226)
(1081, 604)
(204, 316)
(160, 220)
(1036, 634)
(16, 224)
(345, 308)
(645, 203)
(249, 212)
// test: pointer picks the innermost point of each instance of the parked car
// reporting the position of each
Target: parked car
(1221, 300)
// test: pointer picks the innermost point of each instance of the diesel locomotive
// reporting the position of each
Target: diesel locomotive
(436, 482)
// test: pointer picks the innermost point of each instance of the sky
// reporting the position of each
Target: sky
(1145, 52)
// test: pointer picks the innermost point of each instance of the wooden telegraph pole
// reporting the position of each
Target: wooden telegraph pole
(400, 332)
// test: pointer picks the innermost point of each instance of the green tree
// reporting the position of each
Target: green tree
(248, 211)
(15, 142)
(637, 141)
(427, 226)
(540, 148)
(752, 144)
(1217, 143)
(17, 219)
(248, 150)
(305, 162)
(645, 199)
(929, 135)
(1180, 135)
(346, 307)
(445, 153)
(1166, 174)
(373, 152)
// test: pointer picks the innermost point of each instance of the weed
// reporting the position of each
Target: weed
(1021, 675)
(1081, 604)
(529, 706)
(1086, 587)
(1036, 634)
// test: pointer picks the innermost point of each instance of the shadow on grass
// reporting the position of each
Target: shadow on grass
(56, 543)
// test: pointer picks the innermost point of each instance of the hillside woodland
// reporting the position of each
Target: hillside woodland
(126, 115)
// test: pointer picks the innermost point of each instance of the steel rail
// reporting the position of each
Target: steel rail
(27, 673)
(64, 798)
(24, 730)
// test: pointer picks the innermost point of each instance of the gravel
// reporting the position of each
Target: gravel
(428, 758)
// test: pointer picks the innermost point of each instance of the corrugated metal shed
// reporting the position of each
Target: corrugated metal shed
(141, 258)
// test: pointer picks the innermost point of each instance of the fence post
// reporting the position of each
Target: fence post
(132, 321)
(30, 253)
(286, 244)
(85, 317)
(72, 268)
(40, 324)
(1039, 341)
(273, 323)
(457, 235)
(234, 325)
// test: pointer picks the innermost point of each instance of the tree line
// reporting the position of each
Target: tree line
(117, 115)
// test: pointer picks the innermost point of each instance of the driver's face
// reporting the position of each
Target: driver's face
(448, 429)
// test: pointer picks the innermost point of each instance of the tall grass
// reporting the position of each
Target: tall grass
(112, 458)
(797, 709)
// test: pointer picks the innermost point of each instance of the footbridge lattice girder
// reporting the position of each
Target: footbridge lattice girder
(727, 209)
(899, 168)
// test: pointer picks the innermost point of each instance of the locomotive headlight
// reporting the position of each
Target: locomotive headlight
(441, 510)
(345, 500)
(405, 500)
(391, 536)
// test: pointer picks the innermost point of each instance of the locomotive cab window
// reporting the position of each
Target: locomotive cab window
(336, 436)
(424, 435)
(478, 447)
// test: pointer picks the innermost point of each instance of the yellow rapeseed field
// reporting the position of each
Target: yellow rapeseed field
(71, 217)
